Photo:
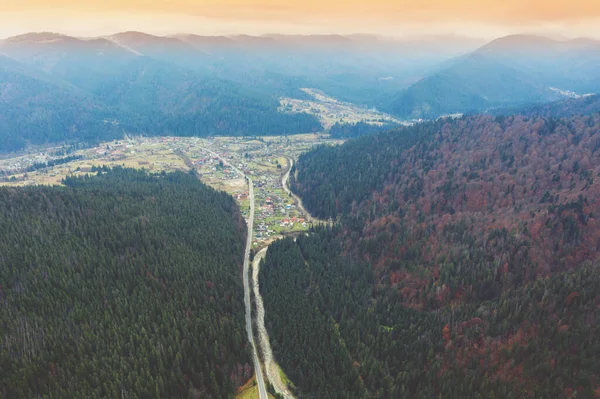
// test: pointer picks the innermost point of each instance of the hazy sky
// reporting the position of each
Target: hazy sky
(478, 18)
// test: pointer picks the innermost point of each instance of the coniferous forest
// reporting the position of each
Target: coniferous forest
(338, 332)
(122, 284)
(464, 264)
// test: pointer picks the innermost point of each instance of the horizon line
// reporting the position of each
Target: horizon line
(274, 33)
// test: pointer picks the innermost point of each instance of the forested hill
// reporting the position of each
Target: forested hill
(142, 96)
(363, 165)
(353, 130)
(121, 285)
(532, 182)
(338, 332)
(585, 105)
(484, 230)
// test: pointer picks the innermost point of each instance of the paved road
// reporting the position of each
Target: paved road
(262, 390)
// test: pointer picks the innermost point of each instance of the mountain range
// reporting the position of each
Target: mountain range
(60, 88)
(461, 259)
(510, 71)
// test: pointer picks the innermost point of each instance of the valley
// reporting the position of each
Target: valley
(255, 171)
(302, 215)
(263, 159)
(439, 238)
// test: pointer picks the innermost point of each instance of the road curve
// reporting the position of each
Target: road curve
(262, 390)
(285, 179)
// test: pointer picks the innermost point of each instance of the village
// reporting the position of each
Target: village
(330, 111)
(264, 159)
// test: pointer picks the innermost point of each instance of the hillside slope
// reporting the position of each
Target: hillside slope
(507, 72)
(121, 284)
(60, 88)
(585, 105)
(504, 173)
(38, 108)
(483, 231)
(474, 83)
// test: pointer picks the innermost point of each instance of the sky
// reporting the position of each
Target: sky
(474, 18)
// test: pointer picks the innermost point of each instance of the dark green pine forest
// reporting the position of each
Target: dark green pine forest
(122, 284)
(464, 264)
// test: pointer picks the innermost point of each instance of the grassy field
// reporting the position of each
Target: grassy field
(284, 378)
(249, 391)
(154, 158)
(232, 186)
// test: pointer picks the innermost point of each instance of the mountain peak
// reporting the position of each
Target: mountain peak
(39, 37)
(584, 43)
(519, 43)
(141, 38)
(131, 34)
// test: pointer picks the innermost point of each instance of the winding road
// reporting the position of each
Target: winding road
(262, 390)
(269, 363)
(285, 179)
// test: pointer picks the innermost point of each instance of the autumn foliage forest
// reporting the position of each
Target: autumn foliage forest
(484, 230)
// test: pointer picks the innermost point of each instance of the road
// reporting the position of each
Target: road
(271, 367)
(262, 390)
(285, 183)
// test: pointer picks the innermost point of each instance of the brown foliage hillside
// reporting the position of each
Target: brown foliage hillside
(483, 235)
(511, 199)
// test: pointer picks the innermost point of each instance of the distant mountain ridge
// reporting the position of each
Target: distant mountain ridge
(232, 84)
(584, 105)
(510, 71)
(533, 43)
(60, 87)
(320, 40)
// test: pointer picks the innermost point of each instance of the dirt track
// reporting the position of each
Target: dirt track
(271, 368)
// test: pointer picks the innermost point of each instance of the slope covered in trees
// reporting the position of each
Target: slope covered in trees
(538, 340)
(529, 180)
(585, 105)
(140, 96)
(511, 71)
(353, 130)
(485, 229)
(121, 285)
(471, 83)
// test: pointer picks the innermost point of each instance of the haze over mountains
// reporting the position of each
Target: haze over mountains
(56, 87)
(509, 71)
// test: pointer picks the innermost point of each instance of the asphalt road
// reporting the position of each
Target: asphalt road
(262, 390)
